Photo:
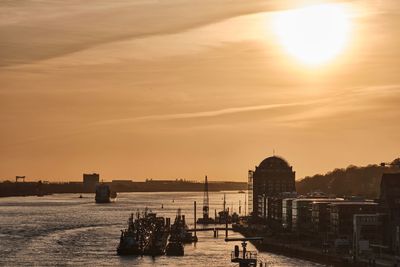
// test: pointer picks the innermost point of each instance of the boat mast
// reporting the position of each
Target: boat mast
(205, 200)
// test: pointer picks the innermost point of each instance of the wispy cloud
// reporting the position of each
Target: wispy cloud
(206, 114)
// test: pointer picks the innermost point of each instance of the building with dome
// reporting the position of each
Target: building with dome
(271, 178)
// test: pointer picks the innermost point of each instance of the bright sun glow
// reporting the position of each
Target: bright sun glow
(313, 34)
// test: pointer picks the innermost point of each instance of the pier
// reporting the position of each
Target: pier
(210, 229)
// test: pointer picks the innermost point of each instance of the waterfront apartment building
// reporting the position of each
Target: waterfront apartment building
(320, 215)
(368, 230)
(302, 213)
(271, 178)
(287, 213)
(342, 215)
(389, 202)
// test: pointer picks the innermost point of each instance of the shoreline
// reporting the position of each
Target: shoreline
(295, 251)
(143, 191)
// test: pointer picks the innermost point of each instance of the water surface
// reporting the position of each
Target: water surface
(64, 229)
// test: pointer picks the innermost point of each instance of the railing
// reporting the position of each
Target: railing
(248, 255)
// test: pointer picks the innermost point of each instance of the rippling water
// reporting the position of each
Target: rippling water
(66, 230)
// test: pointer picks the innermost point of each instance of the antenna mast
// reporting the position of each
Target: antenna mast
(205, 200)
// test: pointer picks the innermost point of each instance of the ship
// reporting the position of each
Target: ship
(104, 194)
(244, 257)
(146, 235)
(175, 248)
(158, 230)
(180, 230)
(129, 243)
(179, 235)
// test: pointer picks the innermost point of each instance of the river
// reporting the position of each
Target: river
(64, 229)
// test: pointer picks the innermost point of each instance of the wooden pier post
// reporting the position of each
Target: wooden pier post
(195, 220)
(226, 227)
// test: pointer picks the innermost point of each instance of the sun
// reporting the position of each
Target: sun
(313, 34)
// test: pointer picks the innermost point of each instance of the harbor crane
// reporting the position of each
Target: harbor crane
(206, 206)
(17, 178)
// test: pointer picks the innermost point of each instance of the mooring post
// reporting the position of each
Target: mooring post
(215, 233)
(195, 222)
(226, 227)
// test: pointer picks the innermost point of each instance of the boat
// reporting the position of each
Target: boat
(175, 249)
(146, 235)
(244, 257)
(241, 192)
(104, 194)
(158, 231)
(129, 243)
(180, 230)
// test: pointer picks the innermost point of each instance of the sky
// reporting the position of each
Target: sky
(184, 88)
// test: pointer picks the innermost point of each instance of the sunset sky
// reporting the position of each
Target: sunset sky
(137, 89)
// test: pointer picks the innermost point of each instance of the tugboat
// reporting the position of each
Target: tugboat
(147, 235)
(157, 232)
(104, 194)
(245, 258)
(179, 230)
(175, 248)
(129, 243)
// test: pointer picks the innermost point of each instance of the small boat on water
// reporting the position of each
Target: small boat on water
(241, 192)
(104, 194)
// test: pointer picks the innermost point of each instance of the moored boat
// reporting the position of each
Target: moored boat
(129, 243)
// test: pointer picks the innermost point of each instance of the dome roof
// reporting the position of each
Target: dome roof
(274, 162)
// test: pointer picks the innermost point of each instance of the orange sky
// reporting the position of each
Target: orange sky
(183, 88)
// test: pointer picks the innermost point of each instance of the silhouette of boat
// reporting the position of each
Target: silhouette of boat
(129, 243)
(104, 194)
(179, 230)
(175, 249)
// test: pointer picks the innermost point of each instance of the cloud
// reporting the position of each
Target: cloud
(205, 114)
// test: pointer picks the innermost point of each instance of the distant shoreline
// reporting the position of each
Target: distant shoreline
(13, 189)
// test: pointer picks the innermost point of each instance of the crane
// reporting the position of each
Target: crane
(17, 178)
(205, 200)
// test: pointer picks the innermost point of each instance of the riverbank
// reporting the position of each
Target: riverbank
(295, 249)
(11, 189)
